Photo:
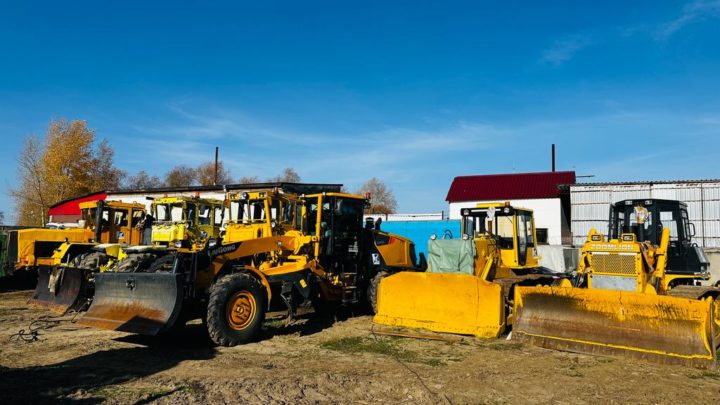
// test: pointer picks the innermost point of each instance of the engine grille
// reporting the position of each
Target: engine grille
(614, 264)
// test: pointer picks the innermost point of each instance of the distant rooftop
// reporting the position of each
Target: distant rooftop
(509, 186)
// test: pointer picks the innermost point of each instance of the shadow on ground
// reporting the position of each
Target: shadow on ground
(90, 373)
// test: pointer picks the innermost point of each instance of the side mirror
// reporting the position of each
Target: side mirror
(692, 229)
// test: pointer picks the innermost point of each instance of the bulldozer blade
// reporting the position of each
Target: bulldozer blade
(657, 328)
(453, 303)
(143, 303)
(59, 289)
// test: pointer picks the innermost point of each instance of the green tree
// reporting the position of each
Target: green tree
(382, 198)
(64, 164)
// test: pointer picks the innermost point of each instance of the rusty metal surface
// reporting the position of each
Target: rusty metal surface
(668, 330)
(59, 288)
(144, 303)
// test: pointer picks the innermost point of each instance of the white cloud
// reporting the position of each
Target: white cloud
(563, 50)
(692, 12)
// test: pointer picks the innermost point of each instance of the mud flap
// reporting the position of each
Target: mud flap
(60, 288)
(658, 328)
(454, 303)
(143, 303)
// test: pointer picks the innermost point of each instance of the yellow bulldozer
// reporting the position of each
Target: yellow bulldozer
(104, 224)
(637, 292)
(469, 285)
(303, 249)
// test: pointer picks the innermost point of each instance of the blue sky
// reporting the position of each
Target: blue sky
(414, 93)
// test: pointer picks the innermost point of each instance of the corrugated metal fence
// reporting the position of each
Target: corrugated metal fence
(590, 205)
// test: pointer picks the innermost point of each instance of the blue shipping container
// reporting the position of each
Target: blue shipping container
(420, 231)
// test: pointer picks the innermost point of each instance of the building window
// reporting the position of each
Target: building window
(542, 236)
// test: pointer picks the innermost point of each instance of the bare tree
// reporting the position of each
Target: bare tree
(249, 180)
(382, 198)
(289, 175)
(142, 180)
(106, 176)
(205, 174)
(181, 176)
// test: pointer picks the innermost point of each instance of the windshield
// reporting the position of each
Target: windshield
(247, 211)
(88, 215)
(169, 212)
(494, 223)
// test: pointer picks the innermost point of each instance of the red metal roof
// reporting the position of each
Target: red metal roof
(508, 186)
(71, 206)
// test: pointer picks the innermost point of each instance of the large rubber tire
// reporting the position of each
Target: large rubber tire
(163, 263)
(93, 260)
(134, 262)
(372, 290)
(236, 309)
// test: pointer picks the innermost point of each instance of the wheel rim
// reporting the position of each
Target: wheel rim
(241, 309)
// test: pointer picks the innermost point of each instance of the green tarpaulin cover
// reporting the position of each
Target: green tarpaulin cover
(451, 256)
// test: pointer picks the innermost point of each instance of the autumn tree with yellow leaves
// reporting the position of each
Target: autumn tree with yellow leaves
(66, 163)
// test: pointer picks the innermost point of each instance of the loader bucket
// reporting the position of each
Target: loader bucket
(658, 328)
(453, 303)
(143, 303)
(59, 289)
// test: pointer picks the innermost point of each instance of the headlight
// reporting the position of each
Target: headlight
(433, 236)
(244, 195)
(178, 243)
(465, 236)
(212, 243)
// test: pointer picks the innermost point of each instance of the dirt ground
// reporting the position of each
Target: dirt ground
(318, 361)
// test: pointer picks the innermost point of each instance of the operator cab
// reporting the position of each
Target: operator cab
(647, 218)
(337, 221)
(510, 226)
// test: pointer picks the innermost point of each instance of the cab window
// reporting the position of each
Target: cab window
(218, 215)
(204, 214)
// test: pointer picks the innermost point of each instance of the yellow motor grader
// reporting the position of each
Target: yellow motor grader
(317, 251)
(34, 247)
(106, 225)
(184, 222)
(469, 285)
(637, 292)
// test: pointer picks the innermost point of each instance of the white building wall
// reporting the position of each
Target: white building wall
(590, 206)
(547, 213)
(143, 198)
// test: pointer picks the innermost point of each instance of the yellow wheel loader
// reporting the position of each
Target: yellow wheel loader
(318, 252)
(468, 287)
(637, 292)
(107, 225)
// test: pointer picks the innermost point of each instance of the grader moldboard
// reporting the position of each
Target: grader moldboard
(637, 292)
(317, 251)
(469, 285)
(106, 225)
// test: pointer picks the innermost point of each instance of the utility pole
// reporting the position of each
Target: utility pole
(216, 166)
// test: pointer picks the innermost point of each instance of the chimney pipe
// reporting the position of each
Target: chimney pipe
(553, 158)
(216, 153)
